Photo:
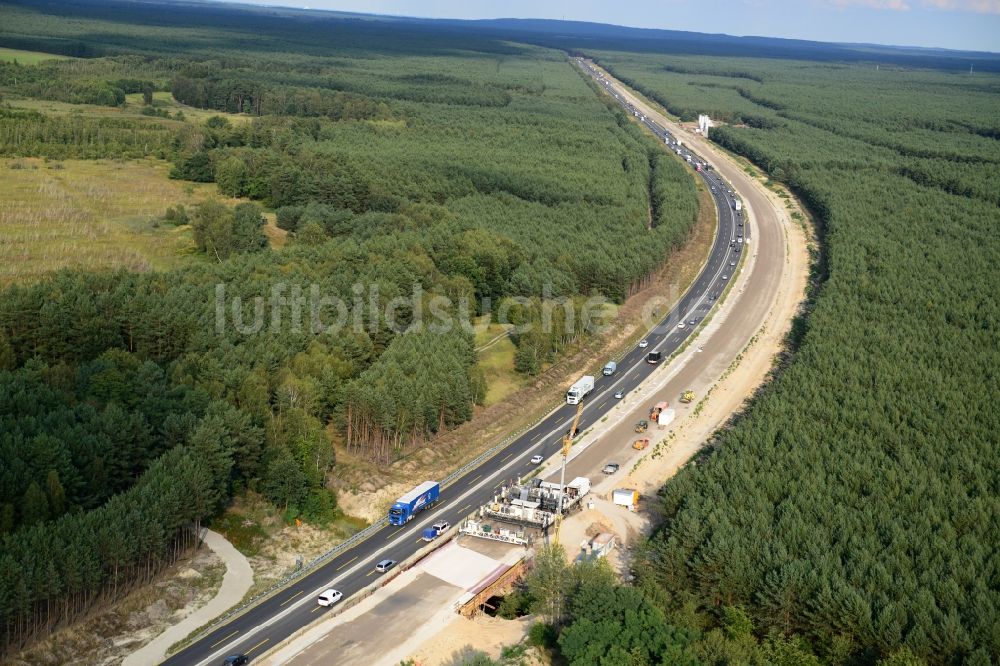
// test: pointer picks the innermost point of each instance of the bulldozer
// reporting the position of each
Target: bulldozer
(687, 397)
(642, 426)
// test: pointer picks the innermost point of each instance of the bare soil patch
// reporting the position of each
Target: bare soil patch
(107, 636)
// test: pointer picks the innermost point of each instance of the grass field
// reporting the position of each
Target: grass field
(90, 215)
(28, 57)
(496, 359)
(133, 108)
(165, 101)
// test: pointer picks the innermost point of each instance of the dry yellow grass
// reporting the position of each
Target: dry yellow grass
(132, 108)
(28, 57)
(166, 102)
(91, 215)
(496, 359)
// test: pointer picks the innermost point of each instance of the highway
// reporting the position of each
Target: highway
(265, 625)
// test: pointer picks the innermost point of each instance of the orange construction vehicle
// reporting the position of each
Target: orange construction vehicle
(640, 444)
(654, 412)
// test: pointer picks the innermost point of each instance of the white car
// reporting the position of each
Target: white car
(536, 460)
(329, 597)
(680, 325)
(643, 344)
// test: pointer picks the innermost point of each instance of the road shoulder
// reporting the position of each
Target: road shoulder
(235, 584)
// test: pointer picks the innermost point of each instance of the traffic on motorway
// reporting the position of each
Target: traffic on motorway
(317, 592)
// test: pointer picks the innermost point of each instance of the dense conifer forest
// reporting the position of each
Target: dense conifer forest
(855, 504)
(435, 166)
(848, 517)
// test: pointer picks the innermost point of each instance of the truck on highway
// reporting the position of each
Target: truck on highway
(579, 390)
(413, 502)
(737, 205)
(435, 530)
(609, 368)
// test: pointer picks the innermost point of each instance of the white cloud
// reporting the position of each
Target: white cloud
(894, 5)
(983, 6)
(968, 6)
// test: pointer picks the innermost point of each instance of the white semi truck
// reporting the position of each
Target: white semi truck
(579, 390)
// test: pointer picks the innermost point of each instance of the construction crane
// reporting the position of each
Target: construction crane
(567, 443)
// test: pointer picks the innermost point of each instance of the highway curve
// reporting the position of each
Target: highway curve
(266, 624)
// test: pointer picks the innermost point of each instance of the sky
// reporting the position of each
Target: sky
(955, 24)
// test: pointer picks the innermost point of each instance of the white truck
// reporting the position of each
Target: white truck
(665, 417)
(625, 497)
(579, 390)
(738, 205)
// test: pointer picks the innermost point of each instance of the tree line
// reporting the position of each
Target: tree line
(520, 182)
(850, 505)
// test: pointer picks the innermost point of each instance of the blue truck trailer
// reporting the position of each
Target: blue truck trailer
(413, 502)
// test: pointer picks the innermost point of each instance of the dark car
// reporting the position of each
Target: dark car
(653, 358)
(235, 660)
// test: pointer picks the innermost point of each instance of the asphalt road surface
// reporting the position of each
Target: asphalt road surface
(267, 624)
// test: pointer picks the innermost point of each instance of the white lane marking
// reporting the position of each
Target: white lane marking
(430, 516)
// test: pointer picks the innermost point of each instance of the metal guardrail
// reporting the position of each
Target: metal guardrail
(283, 582)
(375, 527)
(489, 453)
(353, 540)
